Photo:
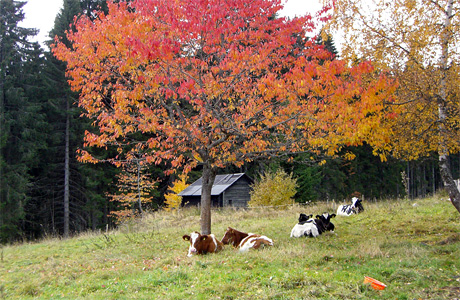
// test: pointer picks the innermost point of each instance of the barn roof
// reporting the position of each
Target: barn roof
(221, 183)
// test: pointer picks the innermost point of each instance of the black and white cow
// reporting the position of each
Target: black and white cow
(304, 225)
(348, 209)
(310, 227)
(323, 222)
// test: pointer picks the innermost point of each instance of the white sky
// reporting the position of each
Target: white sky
(40, 14)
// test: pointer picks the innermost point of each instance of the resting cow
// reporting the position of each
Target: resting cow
(348, 209)
(304, 227)
(202, 244)
(245, 241)
(310, 227)
(323, 222)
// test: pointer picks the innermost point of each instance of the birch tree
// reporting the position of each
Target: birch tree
(418, 41)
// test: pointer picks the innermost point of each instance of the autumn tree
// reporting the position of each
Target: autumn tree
(172, 199)
(417, 40)
(134, 190)
(217, 83)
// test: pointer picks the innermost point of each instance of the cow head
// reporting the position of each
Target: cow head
(229, 236)
(357, 205)
(196, 242)
(325, 216)
(325, 221)
(304, 218)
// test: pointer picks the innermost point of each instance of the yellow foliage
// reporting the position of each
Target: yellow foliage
(273, 189)
(349, 156)
(416, 42)
(134, 192)
(173, 200)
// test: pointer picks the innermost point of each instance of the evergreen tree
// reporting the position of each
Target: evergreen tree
(20, 117)
(76, 191)
(328, 42)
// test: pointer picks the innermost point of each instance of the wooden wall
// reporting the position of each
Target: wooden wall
(238, 194)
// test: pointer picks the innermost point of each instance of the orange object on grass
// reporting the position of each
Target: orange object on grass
(377, 285)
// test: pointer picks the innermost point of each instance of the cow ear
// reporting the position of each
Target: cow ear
(318, 217)
(310, 216)
(203, 237)
(186, 237)
(332, 216)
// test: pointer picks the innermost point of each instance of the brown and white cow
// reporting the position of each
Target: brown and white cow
(202, 243)
(245, 241)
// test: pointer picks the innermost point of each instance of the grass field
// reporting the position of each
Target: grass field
(411, 246)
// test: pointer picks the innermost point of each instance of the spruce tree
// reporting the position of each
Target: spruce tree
(20, 117)
(75, 192)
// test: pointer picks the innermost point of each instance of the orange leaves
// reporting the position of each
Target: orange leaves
(222, 79)
(84, 156)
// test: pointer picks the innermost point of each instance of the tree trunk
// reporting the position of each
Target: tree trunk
(444, 167)
(139, 194)
(209, 175)
(66, 172)
(433, 178)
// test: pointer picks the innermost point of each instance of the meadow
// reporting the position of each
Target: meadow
(411, 246)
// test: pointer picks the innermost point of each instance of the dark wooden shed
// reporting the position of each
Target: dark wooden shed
(227, 190)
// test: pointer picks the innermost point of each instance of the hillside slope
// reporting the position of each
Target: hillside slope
(411, 246)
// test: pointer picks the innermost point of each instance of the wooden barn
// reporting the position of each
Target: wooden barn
(228, 190)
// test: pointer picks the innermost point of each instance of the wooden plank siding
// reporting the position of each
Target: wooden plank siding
(237, 195)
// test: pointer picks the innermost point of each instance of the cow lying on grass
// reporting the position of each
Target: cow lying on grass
(304, 227)
(245, 241)
(310, 227)
(348, 209)
(202, 244)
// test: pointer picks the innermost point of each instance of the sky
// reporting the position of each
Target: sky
(40, 14)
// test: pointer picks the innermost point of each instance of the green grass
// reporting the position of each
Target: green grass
(414, 250)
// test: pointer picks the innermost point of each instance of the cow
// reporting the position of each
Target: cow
(323, 222)
(348, 209)
(202, 243)
(310, 227)
(245, 241)
(304, 227)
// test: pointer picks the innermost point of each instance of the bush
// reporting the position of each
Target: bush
(273, 189)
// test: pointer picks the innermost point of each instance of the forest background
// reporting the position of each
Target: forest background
(43, 186)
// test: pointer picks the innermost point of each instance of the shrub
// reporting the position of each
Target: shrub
(273, 189)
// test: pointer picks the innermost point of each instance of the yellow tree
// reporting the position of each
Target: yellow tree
(418, 41)
(173, 200)
(134, 191)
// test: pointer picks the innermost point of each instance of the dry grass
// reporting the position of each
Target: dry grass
(413, 249)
